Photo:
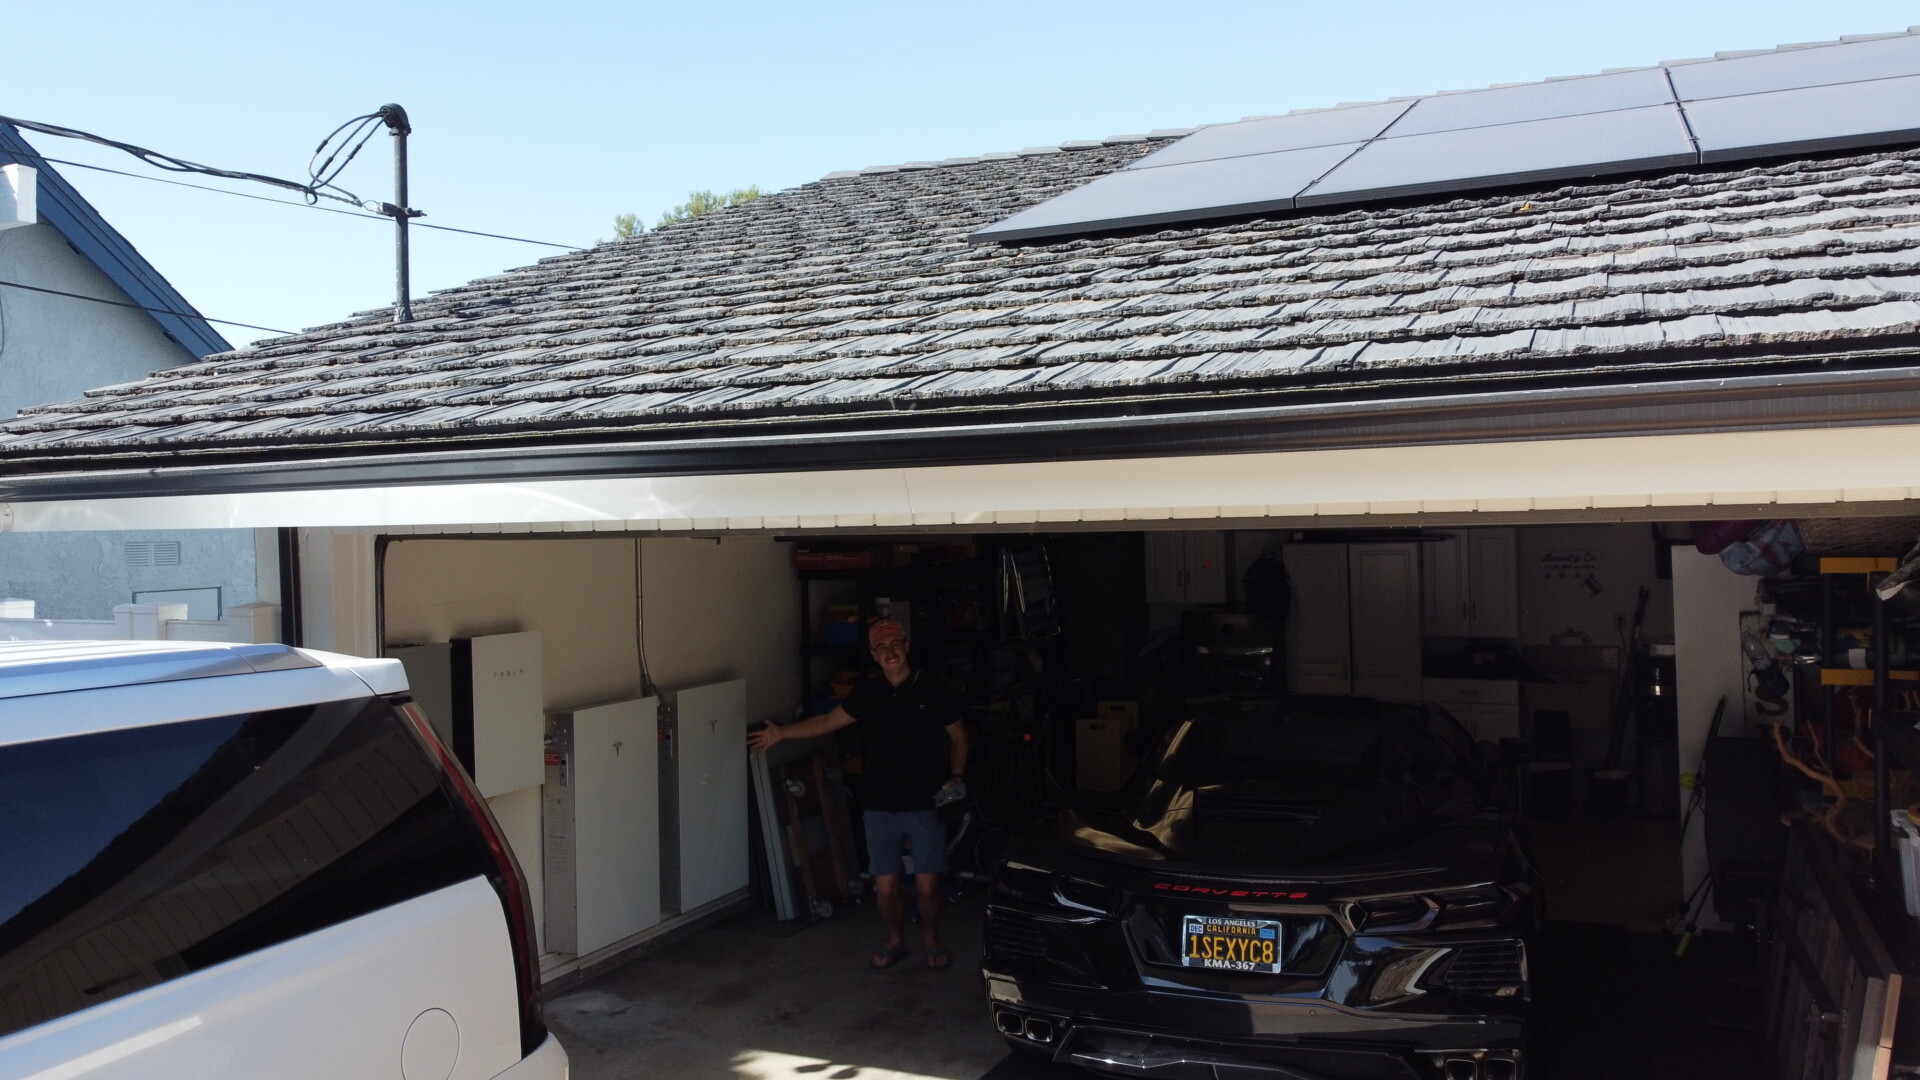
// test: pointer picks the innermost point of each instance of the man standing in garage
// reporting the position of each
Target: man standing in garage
(916, 746)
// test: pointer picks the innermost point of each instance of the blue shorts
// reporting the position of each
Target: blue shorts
(888, 831)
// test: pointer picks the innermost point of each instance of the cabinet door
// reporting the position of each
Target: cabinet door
(1493, 601)
(1444, 581)
(1166, 568)
(1206, 562)
(1319, 654)
(1385, 593)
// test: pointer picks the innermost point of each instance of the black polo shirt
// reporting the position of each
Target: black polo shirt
(906, 758)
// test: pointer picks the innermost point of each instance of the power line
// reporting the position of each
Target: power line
(294, 205)
(317, 187)
(139, 307)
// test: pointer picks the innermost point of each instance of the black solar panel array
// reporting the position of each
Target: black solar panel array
(1797, 99)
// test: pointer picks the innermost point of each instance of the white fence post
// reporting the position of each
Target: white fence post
(256, 623)
(145, 622)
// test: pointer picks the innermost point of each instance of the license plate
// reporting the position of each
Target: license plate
(1230, 944)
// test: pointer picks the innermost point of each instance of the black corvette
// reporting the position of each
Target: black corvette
(1290, 888)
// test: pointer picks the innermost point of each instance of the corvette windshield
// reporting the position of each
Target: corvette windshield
(1235, 752)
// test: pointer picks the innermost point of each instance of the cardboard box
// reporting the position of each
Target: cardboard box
(1101, 760)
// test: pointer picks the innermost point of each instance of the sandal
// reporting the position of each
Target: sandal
(887, 957)
(939, 959)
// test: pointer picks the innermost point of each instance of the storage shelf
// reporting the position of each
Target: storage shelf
(1857, 565)
(1861, 676)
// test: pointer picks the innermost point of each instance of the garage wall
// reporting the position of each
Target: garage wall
(719, 609)
(1623, 560)
(1708, 666)
(578, 593)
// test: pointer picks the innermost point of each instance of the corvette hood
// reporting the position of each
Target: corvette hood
(1326, 845)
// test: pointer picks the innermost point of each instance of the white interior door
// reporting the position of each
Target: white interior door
(1319, 651)
(1386, 620)
(1443, 579)
(616, 816)
(712, 760)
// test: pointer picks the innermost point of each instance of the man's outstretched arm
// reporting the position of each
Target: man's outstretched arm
(800, 729)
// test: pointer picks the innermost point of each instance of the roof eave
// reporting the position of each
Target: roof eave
(1810, 397)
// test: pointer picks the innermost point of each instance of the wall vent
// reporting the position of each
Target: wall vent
(153, 553)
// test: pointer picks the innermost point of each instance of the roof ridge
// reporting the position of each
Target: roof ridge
(1156, 135)
(1177, 133)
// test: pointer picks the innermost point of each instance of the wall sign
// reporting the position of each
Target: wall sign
(1567, 564)
(1575, 566)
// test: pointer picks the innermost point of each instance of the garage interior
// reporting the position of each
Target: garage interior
(1590, 660)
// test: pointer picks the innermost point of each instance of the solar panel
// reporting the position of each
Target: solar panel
(1298, 131)
(1194, 190)
(1824, 65)
(1626, 140)
(1535, 101)
(1807, 120)
(1794, 100)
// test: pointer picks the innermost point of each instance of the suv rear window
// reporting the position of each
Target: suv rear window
(133, 857)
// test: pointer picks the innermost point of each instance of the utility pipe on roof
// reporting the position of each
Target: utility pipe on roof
(397, 126)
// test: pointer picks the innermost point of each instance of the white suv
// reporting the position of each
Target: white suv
(240, 861)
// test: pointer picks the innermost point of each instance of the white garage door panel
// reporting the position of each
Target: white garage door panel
(712, 726)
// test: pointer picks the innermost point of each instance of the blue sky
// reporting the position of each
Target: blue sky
(544, 121)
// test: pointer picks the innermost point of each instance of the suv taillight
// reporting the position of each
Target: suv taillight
(508, 880)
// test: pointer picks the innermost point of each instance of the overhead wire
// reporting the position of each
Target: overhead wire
(313, 190)
(283, 202)
(322, 174)
(138, 307)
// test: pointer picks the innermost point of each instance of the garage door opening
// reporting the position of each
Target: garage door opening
(1588, 662)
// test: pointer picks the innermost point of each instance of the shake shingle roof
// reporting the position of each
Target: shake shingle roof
(856, 298)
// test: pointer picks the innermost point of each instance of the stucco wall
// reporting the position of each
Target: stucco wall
(55, 347)
(82, 575)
